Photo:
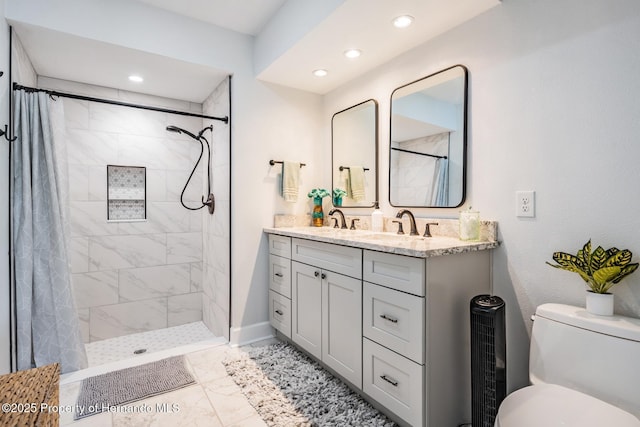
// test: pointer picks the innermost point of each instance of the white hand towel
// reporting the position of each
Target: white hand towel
(356, 182)
(290, 181)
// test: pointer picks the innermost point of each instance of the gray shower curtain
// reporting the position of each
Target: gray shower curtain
(47, 324)
(440, 192)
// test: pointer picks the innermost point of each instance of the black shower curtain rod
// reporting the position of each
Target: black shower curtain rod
(416, 152)
(16, 86)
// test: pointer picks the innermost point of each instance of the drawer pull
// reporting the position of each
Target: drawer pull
(390, 319)
(279, 274)
(316, 273)
(389, 380)
(279, 312)
(323, 276)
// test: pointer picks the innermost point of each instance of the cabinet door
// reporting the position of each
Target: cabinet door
(342, 325)
(306, 303)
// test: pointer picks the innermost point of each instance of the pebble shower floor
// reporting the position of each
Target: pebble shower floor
(119, 348)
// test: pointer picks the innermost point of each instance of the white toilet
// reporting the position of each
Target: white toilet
(584, 370)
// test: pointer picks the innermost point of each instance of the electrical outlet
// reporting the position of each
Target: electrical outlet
(526, 204)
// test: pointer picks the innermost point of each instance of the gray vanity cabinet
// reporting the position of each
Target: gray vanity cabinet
(326, 303)
(395, 326)
(416, 333)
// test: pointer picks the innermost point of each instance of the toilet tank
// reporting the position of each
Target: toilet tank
(597, 355)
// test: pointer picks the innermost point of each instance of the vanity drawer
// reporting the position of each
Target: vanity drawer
(404, 273)
(280, 245)
(280, 275)
(394, 381)
(395, 320)
(340, 259)
(280, 313)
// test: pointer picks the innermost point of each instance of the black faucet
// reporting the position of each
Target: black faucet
(427, 231)
(338, 211)
(412, 220)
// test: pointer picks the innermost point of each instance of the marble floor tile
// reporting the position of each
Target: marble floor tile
(214, 401)
(228, 401)
(188, 406)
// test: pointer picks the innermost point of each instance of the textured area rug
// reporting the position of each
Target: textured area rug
(102, 392)
(289, 389)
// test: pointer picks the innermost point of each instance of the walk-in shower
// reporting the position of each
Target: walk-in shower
(158, 283)
(210, 202)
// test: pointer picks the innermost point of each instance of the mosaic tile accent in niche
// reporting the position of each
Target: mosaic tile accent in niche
(126, 186)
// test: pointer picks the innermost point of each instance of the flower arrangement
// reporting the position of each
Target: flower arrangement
(338, 194)
(317, 215)
(601, 269)
(318, 194)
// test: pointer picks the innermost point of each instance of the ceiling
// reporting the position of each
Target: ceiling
(362, 24)
(242, 16)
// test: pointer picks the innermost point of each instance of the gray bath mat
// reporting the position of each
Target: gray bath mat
(100, 393)
(289, 389)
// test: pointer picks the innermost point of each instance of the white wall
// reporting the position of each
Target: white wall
(553, 108)
(270, 122)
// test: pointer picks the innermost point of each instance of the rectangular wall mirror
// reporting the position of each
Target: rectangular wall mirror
(354, 154)
(428, 141)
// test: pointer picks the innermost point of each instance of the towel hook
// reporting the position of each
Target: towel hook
(5, 133)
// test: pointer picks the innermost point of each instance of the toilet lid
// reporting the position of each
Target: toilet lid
(550, 405)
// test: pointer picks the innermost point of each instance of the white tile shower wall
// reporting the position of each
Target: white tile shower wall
(416, 169)
(216, 236)
(132, 277)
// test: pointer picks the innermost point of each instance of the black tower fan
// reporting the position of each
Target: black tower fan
(488, 359)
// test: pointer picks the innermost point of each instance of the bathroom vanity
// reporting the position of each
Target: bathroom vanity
(388, 314)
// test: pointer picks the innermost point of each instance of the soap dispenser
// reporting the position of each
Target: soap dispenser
(376, 218)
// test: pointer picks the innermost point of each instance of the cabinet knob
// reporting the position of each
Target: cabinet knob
(389, 380)
(390, 319)
(323, 276)
(316, 273)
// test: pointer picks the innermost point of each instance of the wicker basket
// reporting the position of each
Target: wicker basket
(30, 397)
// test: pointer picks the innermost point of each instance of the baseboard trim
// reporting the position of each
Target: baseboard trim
(244, 335)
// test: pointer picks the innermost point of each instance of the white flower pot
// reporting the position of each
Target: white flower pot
(600, 304)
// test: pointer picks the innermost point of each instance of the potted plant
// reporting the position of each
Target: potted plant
(600, 269)
(317, 215)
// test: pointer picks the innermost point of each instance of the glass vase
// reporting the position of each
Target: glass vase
(317, 215)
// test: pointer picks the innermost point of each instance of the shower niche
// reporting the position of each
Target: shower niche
(126, 193)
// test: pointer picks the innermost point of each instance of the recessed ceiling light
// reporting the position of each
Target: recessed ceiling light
(136, 79)
(320, 72)
(403, 21)
(352, 53)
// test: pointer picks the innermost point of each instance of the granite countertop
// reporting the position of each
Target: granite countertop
(415, 246)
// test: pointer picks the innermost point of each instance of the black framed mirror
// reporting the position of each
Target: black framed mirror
(428, 140)
(354, 155)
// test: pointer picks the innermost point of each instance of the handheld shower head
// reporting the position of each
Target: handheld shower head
(178, 130)
(174, 129)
